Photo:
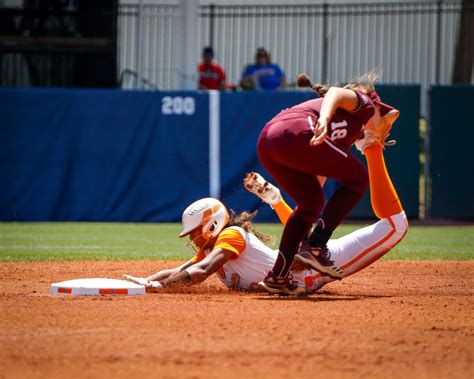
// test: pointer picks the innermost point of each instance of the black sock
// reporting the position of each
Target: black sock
(319, 236)
(295, 231)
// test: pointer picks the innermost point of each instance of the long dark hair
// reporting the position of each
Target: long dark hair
(244, 220)
(364, 83)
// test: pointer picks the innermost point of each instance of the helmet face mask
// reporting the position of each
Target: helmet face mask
(197, 240)
(208, 214)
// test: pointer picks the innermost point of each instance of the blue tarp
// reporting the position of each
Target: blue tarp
(452, 133)
(99, 155)
(110, 155)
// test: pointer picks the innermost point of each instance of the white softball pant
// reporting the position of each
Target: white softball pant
(358, 249)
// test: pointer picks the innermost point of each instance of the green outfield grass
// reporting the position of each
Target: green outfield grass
(29, 242)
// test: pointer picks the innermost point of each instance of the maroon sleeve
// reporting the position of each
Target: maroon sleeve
(365, 110)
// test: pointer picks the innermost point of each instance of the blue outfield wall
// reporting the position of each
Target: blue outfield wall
(452, 133)
(99, 155)
(108, 155)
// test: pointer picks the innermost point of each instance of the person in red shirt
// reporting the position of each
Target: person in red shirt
(303, 145)
(211, 76)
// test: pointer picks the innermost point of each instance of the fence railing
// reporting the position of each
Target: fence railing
(410, 42)
(146, 45)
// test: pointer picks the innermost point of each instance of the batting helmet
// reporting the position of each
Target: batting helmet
(208, 213)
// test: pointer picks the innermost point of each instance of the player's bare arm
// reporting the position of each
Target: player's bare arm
(209, 265)
(335, 98)
(160, 275)
(163, 274)
(197, 272)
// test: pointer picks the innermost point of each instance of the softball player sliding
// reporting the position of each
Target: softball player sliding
(229, 247)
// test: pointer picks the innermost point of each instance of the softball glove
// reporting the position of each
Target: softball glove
(377, 134)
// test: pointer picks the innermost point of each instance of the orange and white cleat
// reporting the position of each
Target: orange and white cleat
(281, 285)
(255, 183)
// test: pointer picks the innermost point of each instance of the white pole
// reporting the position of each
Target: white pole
(139, 46)
(214, 144)
(189, 33)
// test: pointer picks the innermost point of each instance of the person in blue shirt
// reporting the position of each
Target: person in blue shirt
(263, 75)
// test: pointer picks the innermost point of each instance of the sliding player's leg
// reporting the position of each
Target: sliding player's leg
(361, 248)
(268, 193)
(383, 196)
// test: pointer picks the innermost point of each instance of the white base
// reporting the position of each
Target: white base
(97, 287)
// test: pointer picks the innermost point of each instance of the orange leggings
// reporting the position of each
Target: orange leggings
(383, 196)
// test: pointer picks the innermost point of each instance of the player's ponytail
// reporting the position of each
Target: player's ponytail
(244, 220)
(303, 81)
(364, 83)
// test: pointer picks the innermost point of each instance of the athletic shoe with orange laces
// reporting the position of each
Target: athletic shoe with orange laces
(267, 192)
(280, 285)
(320, 260)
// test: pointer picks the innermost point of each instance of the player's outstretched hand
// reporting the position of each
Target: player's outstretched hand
(153, 286)
(135, 279)
(320, 132)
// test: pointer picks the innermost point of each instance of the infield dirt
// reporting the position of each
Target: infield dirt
(392, 320)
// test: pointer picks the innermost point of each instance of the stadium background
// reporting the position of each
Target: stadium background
(140, 155)
(75, 146)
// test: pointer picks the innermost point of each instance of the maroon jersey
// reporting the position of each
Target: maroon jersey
(344, 127)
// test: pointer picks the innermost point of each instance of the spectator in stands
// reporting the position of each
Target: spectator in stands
(263, 74)
(211, 75)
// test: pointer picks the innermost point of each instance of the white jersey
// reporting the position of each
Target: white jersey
(250, 266)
